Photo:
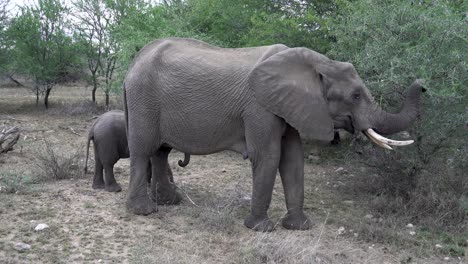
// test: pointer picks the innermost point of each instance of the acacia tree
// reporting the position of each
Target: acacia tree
(91, 32)
(98, 20)
(41, 47)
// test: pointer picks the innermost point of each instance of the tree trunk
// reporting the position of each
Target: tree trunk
(94, 88)
(46, 97)
(107, 100)
(37, 95)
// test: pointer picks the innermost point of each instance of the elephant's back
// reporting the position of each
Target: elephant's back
(175, 59)
(110, 126)
(174, 50)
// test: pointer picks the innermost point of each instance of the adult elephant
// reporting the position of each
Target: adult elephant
(200, 99)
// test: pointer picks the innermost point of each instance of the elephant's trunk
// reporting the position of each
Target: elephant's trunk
(389, 123)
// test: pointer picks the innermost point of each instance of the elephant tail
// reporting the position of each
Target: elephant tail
(90, 137)
(186, 160)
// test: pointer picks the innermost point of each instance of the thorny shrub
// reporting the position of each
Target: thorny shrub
(58, 166)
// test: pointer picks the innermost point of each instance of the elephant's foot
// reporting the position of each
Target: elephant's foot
(142, 206)
(115, 187)
(296, 221)
(167, 195)
(259, 223)
(99, 185)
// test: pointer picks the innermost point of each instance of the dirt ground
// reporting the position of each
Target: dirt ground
(93, 226)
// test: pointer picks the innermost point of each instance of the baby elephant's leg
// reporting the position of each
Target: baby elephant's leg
(111, 184)
(98, 180)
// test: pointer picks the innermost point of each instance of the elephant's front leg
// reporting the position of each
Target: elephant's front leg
(291, 170)
(163, 190)
(138, 201)
(264, 174)
(264, 147)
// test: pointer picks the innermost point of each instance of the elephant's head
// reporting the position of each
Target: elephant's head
(315, 95)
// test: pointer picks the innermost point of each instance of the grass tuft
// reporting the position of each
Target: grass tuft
(13, 183)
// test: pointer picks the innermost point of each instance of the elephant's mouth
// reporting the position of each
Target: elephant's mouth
(343, 122)
(384, 142)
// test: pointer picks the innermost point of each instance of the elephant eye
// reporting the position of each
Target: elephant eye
(356, 96)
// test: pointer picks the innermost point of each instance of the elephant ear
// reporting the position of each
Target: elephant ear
(289, 85)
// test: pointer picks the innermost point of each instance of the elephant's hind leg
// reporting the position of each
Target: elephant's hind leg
(291, 170)
(138, 201)
(111, 184)
(163, 190)
(98, 180)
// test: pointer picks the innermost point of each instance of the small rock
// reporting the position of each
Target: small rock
(369, 216)
(99, 260)
(40, 227)
(223, 170)
(21, 247)
(339, 169)
(447, 258)
(313, 158)
(355, 234)
(412, 233)
(341, 230)
(246, 198)
(410, 225)
(438, 246)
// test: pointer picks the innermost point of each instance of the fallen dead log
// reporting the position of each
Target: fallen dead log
(8, 138)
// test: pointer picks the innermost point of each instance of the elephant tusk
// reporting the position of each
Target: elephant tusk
(376, 137)
(378, 143)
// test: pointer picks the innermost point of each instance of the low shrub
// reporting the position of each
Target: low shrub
(58, 166)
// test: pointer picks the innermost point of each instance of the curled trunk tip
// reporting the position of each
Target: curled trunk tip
(389, 123)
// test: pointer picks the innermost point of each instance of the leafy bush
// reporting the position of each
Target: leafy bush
(391, 43)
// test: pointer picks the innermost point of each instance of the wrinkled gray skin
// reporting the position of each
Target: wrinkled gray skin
(110, 144)
(200, 99)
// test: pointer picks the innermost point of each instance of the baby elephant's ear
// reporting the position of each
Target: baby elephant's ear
(288, 85)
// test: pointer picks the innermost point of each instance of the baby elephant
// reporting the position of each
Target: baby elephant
(110, 144)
